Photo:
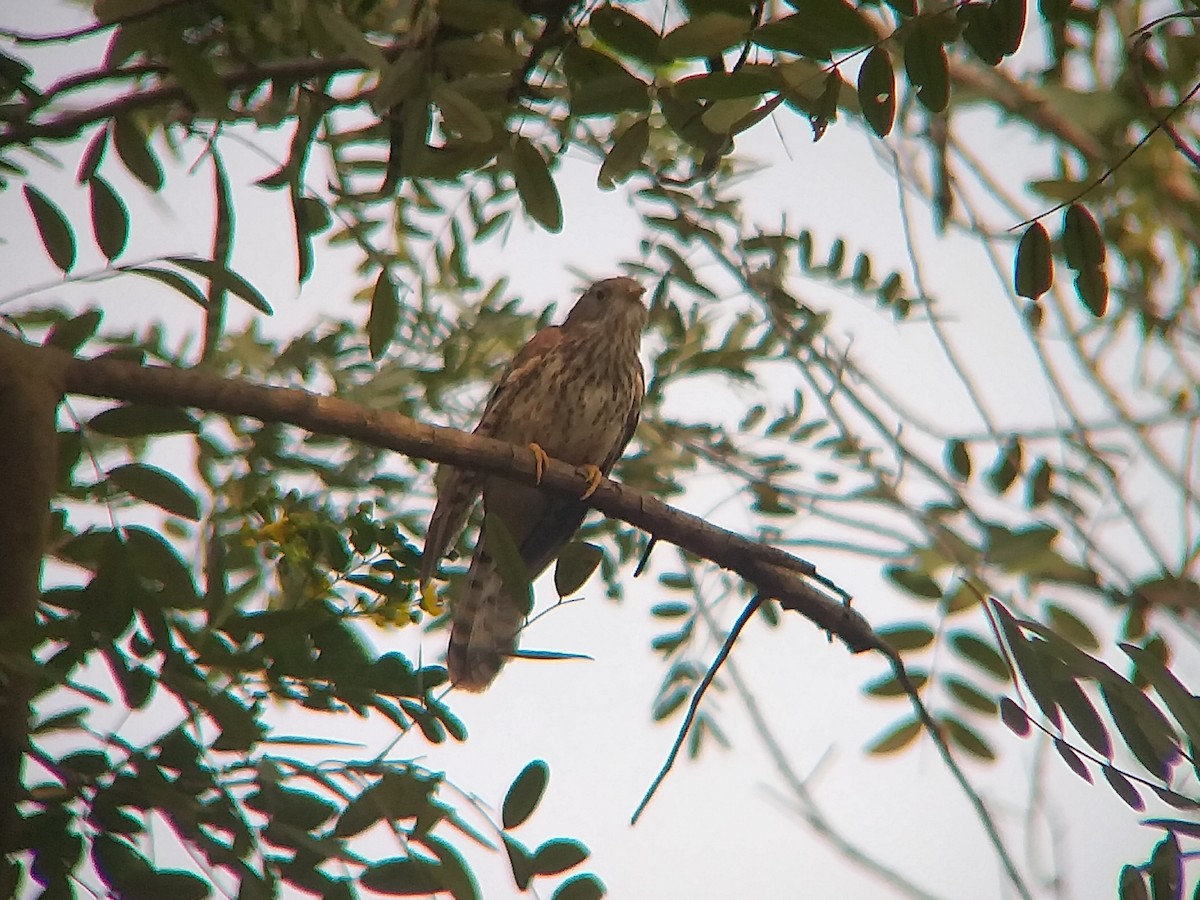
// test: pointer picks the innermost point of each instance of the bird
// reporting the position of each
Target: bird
(574, 392)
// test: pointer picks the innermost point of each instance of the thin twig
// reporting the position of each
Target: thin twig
(694, 706)
(973, 797)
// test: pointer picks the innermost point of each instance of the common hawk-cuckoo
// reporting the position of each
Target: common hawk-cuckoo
(573, 392)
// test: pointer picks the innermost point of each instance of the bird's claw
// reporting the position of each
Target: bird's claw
(540, 458)
(594, 477)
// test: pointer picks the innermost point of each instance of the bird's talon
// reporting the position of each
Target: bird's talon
(540, 458)
(594, 477)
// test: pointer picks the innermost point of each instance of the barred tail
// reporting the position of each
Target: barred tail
(485, 627)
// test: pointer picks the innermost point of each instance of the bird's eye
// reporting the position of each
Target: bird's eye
(602, 294)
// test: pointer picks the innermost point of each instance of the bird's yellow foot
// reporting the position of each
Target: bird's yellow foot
(594, 477)
(540, 458)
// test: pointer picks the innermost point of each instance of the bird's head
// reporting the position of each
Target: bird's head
(612, 301)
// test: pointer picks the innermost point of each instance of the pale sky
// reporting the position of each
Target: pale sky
(717, 828)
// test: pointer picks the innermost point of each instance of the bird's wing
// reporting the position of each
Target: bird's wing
(460, 488)
(521, 370)
(457, 492)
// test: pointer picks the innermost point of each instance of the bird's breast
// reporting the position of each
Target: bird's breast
(578, 409)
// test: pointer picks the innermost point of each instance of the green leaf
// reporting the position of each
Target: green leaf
(626, 33)
(580, 887)
(139, 420)
(1146, 732)
(602, 86)
(405, 877)
(461, 115)
(625, 156)
(983, 32)
(133, 149)
(519, 860)
(475, 16)
(92, 155)
(967, 738)
(536, 188)
(888, 685)
(927, 67)
(576, 563)
(177, 885)
(1073, 760)
(1010, 19)
(398, 795)
(1082, 242)
(173, 280)
(1166, 862)
(1014, 717)
(958, 460)
(71, 334)
(155, 486)
(1184, 706)
(704, 35)
(835, 24)
(299, 808)
(903, 638)
(525, 794)
(385, 315)
(1032, 659)
(1091, 286)
(1131, 885)
(456, 877)
(196, 74)
(558, 855)
(110, 219)
(914, 581)
(227, 279)
(1123, 788)
(667, 704)
(980, 653)
(1070, 627)
(1078, 708)
(895, 738)
(89, 763)
(877, 91)
(119, 865)
(1171, 798)
(404, 78)
(970, 696)
(514, 574)
(313, 215)
(304, 251)
(672, 609)
(726, 116)
(52, 225)
(349, 36)
(1007, 467)
(818, 29)
(1040, 483)
(1179, 826)
(1034, 271)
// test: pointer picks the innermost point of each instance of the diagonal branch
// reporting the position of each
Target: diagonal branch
(795, 583)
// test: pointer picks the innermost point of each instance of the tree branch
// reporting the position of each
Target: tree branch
(30, 389)
(68, 124)
(795, 583)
